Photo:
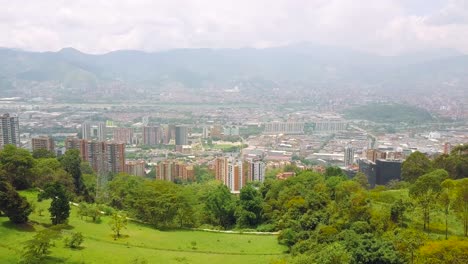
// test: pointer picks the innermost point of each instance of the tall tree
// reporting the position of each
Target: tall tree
(425, 192)
(71, 162)
(12, 204)
(60, 206)
(220, 205)
(117, 223)
(416, 165)
(445, 200)
(461, 203)
(249, 210)
(16, 164)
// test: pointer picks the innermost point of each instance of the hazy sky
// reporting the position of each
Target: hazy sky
(96, 26)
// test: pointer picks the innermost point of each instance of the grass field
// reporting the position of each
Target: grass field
(140, 243)
(413, 217)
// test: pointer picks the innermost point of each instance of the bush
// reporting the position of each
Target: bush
(75, 240)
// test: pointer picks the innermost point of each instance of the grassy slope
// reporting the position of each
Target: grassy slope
(141, 242)
(413, 218)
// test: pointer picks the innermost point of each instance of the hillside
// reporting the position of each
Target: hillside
(194, 68)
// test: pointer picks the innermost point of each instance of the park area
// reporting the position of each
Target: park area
(139, 243)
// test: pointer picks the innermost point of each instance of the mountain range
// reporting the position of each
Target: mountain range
(303, 63)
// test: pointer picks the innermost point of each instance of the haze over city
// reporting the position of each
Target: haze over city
(271, 132)
(386, 27)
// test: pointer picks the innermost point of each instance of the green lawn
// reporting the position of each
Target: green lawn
(140, 242)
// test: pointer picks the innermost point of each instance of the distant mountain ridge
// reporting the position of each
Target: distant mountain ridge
(195, 68)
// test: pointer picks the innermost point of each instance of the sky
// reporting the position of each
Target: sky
(386, 27)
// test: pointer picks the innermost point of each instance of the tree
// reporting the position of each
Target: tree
(407, 242)
(12, 204)
(461, 203)
(249, 211)
(71, 163)
(47, 170)
(75, 240)
(416, 165)
(444, 251)
(60, 206)
(334, 253)
(117, 223)
(38, 247)
(219, 204)
(425, 192)
(397, 211)
(90, 210)
(43, 154)
(16, 164)
(361, 178)
(445, 200)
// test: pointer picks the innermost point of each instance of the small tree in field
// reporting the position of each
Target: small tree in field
(75, 240)
(38, 247)
(117, 223)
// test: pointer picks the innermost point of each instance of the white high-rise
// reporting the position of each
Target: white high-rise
(9, 130)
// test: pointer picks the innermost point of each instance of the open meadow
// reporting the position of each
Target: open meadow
(140, 243)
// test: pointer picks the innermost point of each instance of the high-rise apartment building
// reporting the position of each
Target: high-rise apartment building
(94, 130)
(255, 170)
(103, 156)
(232, 172)
(170, 170)
(348, 156)
(152, 135)
(115, 157)
(123, 135)
(136, 168)
(43, 142)
(181, 135)
(9, 130)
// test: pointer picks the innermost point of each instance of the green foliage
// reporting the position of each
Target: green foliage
(71, 163)
(425, 192)
(90, 210)
(444, 251)
(37, 248)
(43, 154)
(117, 223)
(74, 240)
(397, 211)
(59, 207)
(13, 205)
(203, 173)
(334, 253)
(417, 164)
(461, 203)
(249, 209)
(15, 165)
(456, 164)
(389, 113)
(361, 178)
(220, 206)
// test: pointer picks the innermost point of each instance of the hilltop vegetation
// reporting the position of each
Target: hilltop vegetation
(321, 218)
(389, 113)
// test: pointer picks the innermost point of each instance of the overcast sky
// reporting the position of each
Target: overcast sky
(97, 26)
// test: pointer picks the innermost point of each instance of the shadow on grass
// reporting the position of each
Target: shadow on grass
(53, 260)
(28, 227)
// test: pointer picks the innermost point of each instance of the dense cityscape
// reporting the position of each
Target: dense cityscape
(266, 132)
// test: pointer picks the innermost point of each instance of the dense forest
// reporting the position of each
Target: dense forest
(321, 218)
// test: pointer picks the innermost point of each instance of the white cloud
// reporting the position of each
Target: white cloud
(382, 26)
